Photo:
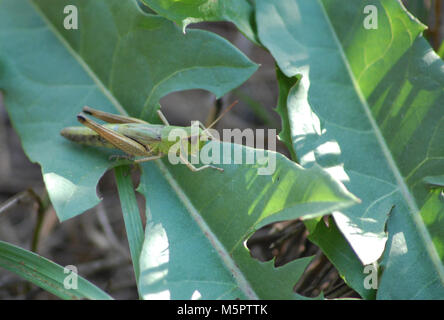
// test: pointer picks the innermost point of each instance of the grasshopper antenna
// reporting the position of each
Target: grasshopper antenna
(219, 117)
(222, 114)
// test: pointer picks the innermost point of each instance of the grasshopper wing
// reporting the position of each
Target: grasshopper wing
(146, 134)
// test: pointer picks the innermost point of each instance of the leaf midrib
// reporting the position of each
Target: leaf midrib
(375, 128)
(224, 255)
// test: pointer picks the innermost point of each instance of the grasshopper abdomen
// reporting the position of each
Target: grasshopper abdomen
(85, 136)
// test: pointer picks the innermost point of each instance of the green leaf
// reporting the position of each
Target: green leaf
(337, 249)
(208, 216)
(368, 110)
(433, 218)
(435, 181)
(126, 61)
(407, 273)
(47, 274)
(285, 84)
(123, 59)
(131, 215)
(240, 12)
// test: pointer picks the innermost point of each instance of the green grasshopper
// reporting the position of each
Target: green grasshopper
(136, 137)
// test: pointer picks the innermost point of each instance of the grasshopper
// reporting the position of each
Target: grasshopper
(138, 138)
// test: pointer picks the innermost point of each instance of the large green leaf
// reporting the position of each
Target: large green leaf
(131, 215)
(47, 274)
(285, 84)
(240, 12)
(123, 60)
(186, 208)
(368, 109)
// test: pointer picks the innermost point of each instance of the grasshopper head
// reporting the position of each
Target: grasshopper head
(197, 137)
